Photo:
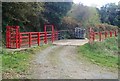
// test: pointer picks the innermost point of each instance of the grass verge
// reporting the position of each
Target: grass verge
(102, 53)
(15, 64)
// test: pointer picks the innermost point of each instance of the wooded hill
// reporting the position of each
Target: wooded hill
(31, 16)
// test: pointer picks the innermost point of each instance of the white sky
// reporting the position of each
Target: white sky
(97, 3)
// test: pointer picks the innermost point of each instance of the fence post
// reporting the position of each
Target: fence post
(30, 39)
(105, 34)
(90, 35)
(38, 38)
(115, 33)
(93, 36)
(110, 33)
(99, 36)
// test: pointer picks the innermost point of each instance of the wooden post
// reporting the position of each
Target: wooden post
(115, 32)
(99, 36)
(30, 39)
(110, 33)
(105, 34)
(17, 40)
(38, 38)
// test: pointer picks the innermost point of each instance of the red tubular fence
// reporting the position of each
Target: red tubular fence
(100, 35)
(17, 39)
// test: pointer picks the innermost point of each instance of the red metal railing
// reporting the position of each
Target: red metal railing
(101, 35)
(16, 39)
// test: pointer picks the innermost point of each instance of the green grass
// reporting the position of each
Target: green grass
(102, 53)
(19, 61)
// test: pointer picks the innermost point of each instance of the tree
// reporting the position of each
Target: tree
(108, 13)
(86, 16)
(69, 23)
(55, 11)
(21, 13)
(31, 16)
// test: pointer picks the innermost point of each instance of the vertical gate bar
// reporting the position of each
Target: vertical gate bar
(16, 37)
(38, 39)
(30, 39)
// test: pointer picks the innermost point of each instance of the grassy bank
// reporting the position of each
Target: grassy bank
(102, 53)
(16, 64)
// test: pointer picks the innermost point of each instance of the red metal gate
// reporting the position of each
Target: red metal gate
(101, 35)
(17, 39)
(12, 37)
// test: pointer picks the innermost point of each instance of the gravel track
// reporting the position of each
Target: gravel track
(61, 62)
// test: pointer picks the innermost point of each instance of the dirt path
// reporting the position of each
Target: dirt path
(72, 42)
(61, 62)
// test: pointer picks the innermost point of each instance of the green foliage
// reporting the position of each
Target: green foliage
(93, 18)
(21, 13)
(69, 23)
(31, 16)
(55, 11)
(86, 16)
(110, 14)
(102, 53)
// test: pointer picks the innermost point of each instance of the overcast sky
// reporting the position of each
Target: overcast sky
(97, 3)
